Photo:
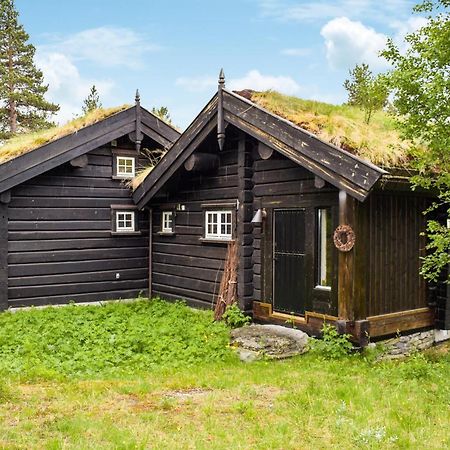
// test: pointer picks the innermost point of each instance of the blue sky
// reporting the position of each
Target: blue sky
(173, 50)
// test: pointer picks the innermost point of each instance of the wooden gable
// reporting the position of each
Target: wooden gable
(340, 168)
(67, 148)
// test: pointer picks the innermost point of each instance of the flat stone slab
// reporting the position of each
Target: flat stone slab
(269, 341)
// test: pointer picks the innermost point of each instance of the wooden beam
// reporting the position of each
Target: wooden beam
(244, 227)
(264, 150)
(202, 162)
(346, 266)
(387, 324)
(3, 256)
(80, 161)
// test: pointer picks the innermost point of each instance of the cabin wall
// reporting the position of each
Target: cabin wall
(60, 246)
(392, 251)
(281, 183)
(183, 266)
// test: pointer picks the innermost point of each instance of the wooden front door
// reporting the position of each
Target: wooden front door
(289, 272)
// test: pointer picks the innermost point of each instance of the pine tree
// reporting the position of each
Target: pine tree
(22, 104)
(163, 113)
(92, 101)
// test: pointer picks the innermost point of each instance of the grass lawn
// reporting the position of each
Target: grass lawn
(156, 375)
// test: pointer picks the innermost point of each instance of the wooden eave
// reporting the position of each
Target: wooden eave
(186, 144)
(340, 168)
(66, 148)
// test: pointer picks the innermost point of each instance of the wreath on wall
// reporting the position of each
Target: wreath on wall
(344, 238)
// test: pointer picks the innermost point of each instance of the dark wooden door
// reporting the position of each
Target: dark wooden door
(289, 274)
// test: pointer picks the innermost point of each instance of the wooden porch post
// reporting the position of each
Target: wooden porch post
(346, 310)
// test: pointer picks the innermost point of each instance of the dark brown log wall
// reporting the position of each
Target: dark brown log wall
(392, 252)
(60, 246)
(183, 266)
(282, 183)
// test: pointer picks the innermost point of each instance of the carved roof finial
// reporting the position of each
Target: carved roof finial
(220, 117)
(221, 78)
(137, 99)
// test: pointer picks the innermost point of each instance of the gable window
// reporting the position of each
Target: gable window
(167, 222)
(219, 225)
(324, 248)
(125, 221)
(125, 166)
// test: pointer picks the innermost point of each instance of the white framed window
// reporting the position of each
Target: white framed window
(218, 225)
(167, 222)
(324, 248)
(125, 221)
(125, 166)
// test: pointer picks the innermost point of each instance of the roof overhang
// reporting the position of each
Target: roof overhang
(340, 168)
(60, 151)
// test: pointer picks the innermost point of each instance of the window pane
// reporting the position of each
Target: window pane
(325, 246)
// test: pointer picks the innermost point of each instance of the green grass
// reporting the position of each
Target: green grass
(24, 143)
(197, 395)
(343, 126)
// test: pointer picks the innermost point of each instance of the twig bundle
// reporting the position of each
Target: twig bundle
(228, 284)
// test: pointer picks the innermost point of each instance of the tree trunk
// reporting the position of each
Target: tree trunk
(11, 103)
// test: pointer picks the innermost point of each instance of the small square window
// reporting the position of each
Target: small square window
(125, 166)
(125, 221)
(218, 225)
(167, 222)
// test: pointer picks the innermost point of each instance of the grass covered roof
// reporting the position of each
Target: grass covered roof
(28, 142)
(344, 126)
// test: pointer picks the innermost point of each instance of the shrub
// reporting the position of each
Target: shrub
(234, 317)
(332, 345)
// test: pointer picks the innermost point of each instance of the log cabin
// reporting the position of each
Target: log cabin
(69, 229)
(323, 232)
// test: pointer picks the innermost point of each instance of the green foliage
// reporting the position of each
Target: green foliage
(366, 91)
(163, 113)
(22, 104)
(108, 339)
(92, 101)
(420, 80)
(333, 345)
(234, 317)
(416, 366)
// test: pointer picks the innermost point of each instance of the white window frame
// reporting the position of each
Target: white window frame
(216, 215)
(125, 229)
(122, 174)
(322, 247)
(166, 218)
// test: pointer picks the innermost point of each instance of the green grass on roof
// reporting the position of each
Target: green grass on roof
(27, 142)
(343, 126)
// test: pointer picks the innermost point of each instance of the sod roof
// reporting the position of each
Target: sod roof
(344, 126)
(25, 143)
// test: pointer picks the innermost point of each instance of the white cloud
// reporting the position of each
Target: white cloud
(196, 84)
(252, 80)
(259, 82)
(66, 86)
(296, 51)
(106, 46)
(348, 43)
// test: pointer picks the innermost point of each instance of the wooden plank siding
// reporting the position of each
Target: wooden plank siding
(60, 246)
(393, 247)
(281, 183)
